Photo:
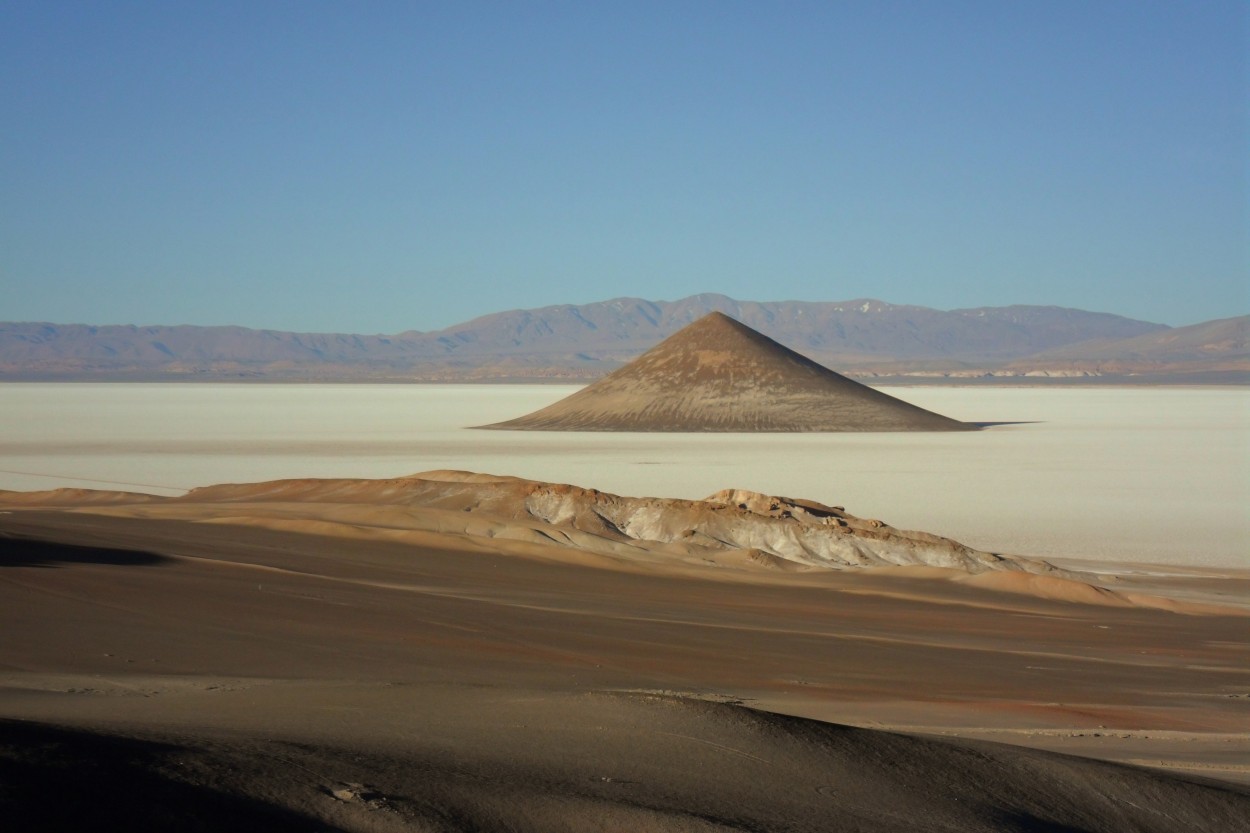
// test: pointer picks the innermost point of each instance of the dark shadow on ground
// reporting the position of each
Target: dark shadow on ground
(21, 552)
(996, 424)
(58, 779)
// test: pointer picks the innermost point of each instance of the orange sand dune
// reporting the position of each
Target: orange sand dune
(73, 497)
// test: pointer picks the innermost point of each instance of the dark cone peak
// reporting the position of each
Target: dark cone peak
(718, 325)
(717, 328)
(718, 374)
(715, 319)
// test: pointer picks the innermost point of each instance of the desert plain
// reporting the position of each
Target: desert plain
(310, 657)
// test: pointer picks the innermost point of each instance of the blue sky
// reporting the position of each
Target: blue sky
(378, 167)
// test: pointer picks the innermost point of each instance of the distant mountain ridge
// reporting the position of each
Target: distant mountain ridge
(861, 327)
(1223, 344)
(862, 337)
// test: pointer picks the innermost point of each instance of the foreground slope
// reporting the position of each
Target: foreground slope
(717, 374)
(543, 761)
(162, 672)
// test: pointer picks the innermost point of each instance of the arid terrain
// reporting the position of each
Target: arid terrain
(865, 338)
(439, 417)
(467, 652)
(717, 374)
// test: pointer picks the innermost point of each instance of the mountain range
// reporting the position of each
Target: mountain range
(862, 337)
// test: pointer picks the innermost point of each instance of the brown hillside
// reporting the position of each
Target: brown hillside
(718, 374)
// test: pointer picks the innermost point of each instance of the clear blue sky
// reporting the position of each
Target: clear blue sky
(377, 167)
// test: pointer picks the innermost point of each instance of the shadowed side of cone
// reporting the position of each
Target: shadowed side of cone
(718, 374)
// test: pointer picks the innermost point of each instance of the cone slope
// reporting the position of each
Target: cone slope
(720, 375)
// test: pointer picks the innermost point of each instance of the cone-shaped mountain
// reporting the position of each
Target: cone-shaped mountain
(720, 375)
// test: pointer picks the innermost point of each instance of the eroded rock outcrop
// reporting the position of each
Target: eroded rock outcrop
(803, 533)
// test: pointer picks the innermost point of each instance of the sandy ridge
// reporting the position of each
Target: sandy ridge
(736, 533)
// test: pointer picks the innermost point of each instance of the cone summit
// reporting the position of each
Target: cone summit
(718, 374)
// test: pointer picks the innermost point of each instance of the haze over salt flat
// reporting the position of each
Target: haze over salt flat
(1122, 474)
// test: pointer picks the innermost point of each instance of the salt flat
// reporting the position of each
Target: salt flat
(282, 653)
(1142, 474)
